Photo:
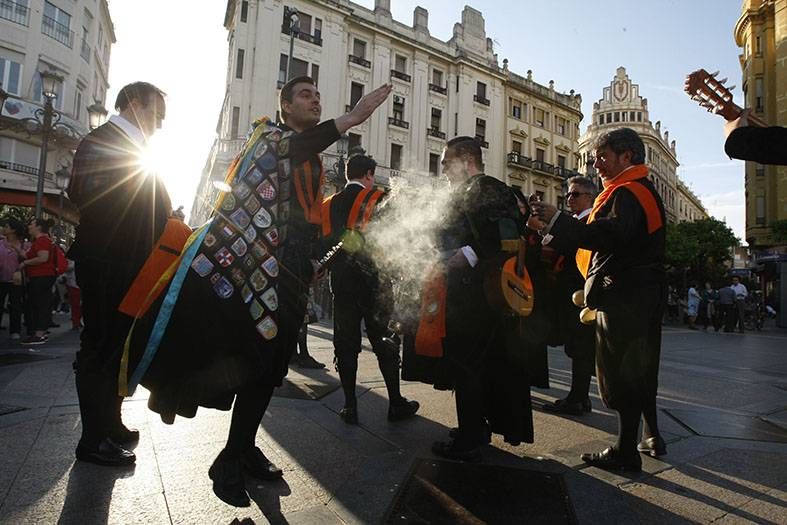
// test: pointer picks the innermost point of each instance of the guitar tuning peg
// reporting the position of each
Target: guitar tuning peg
(731, 87)
(723, 80)
(714, 74)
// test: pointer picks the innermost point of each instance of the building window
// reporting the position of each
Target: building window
(305, 23)
(609, 118)
(244, 10)
(601, 119)
(437, 77)
(317, 28)
(538, 117)
(759, 96)
(480, 129)
(632, 116)
(235, 122)
(561, 161)
(617, 116)
(78, 105)
(560, 126)
(359, 48)
(760, 209)
(282, 69)
(10, 74)
(400, 64)
(437, 117)
(356, 92)
(434, 164)
(354, 141)
(316, 74)
(239, 64)
(57, 19)
(516, 147)
(516, 109)
(540, 155)
(757, 46)
(299, 68)
(398, 108)
(480, 89)
(396, 156)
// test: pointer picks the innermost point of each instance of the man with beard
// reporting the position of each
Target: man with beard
(622, 255)
(580, 339)
(481, 359)
(236, 304)
(360, 292)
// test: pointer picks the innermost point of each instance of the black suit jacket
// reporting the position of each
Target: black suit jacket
(763, 145)
(123, 209)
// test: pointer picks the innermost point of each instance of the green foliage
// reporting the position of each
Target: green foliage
(779, 229)
(701, 248)
(21, 213)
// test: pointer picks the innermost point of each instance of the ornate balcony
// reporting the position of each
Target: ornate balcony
(401, 76)
(438, 89)
(360, 61)
(14, 11)
(58, 31)
(306, 37)
(435, 132)
(399, 123)
(518, 160)
(481, 100)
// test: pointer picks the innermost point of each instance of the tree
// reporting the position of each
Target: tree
(700, 250)
(779, 229)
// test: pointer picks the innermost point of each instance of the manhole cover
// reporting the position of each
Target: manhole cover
(306, 388)
(9, 409)
(16, 358)
(722, 425)
(447, 492)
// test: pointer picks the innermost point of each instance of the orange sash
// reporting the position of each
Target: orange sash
(309, 201)
(627, 180)
(431, 327)
(142, 294)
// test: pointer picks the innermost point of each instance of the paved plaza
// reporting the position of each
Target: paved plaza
(723, 401)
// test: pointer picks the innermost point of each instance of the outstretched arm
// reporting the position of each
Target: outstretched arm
(364, 108)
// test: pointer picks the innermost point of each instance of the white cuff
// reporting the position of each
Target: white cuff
(472, 258)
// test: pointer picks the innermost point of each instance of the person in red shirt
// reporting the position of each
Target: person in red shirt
(39, 266)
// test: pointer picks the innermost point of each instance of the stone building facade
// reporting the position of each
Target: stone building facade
(623, 106)
(72, 38)
(440, 90)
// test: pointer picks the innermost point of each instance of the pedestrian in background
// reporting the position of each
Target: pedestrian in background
(74, 296)
(12, 253)
(692, 306)
(740, 301)
(727, 306)
(707, 312)
(39, 266)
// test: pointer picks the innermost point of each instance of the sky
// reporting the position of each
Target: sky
(181, 46)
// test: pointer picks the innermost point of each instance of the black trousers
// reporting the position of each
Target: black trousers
(583, 363)
(39, 293)
(15, 305)
(98, 360)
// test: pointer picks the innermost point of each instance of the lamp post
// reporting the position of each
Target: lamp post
(96, 115)
(46, 122)
(291, 14)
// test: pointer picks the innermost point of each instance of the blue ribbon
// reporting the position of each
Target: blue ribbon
(165, 312)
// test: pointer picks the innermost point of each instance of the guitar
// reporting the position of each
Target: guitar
(713, 95)
(516, 285)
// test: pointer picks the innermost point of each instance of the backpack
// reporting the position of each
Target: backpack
(61, 263)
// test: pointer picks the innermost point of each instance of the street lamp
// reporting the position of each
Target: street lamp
(96, 115)
(62, 178)
(291, 14)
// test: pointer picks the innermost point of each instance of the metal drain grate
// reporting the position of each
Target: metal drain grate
(445, 492)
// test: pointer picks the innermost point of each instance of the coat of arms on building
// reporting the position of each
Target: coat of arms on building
(620, 88)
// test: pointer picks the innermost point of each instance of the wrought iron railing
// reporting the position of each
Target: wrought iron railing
(400, 123)
(438, 89)
(52, 28)
(306, 37)
(14, 11)
(359, 60)
(401, 76)
(435, 132)
(481, 100)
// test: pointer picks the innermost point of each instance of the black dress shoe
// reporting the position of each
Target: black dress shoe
(587, 406)
(612, 459)
(125, 436)
(450, 450)
(349, 415)
(563, 406)
(653, 446)
(256, 464)
(402, 409)
(227, 475)
(107, 453)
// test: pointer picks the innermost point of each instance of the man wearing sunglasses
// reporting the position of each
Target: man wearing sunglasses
(580, 343)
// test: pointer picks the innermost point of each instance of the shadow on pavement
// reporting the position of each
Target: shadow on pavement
(89, 493)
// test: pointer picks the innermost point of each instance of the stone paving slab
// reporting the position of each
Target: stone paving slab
(335, 473)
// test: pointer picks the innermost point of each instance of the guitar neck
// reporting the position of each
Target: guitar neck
(734, 111)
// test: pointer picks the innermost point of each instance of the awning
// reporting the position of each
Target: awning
(51, 203)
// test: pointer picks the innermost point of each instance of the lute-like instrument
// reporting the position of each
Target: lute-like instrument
(713, 95)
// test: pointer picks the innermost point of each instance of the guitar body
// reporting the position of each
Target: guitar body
(517, 289)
